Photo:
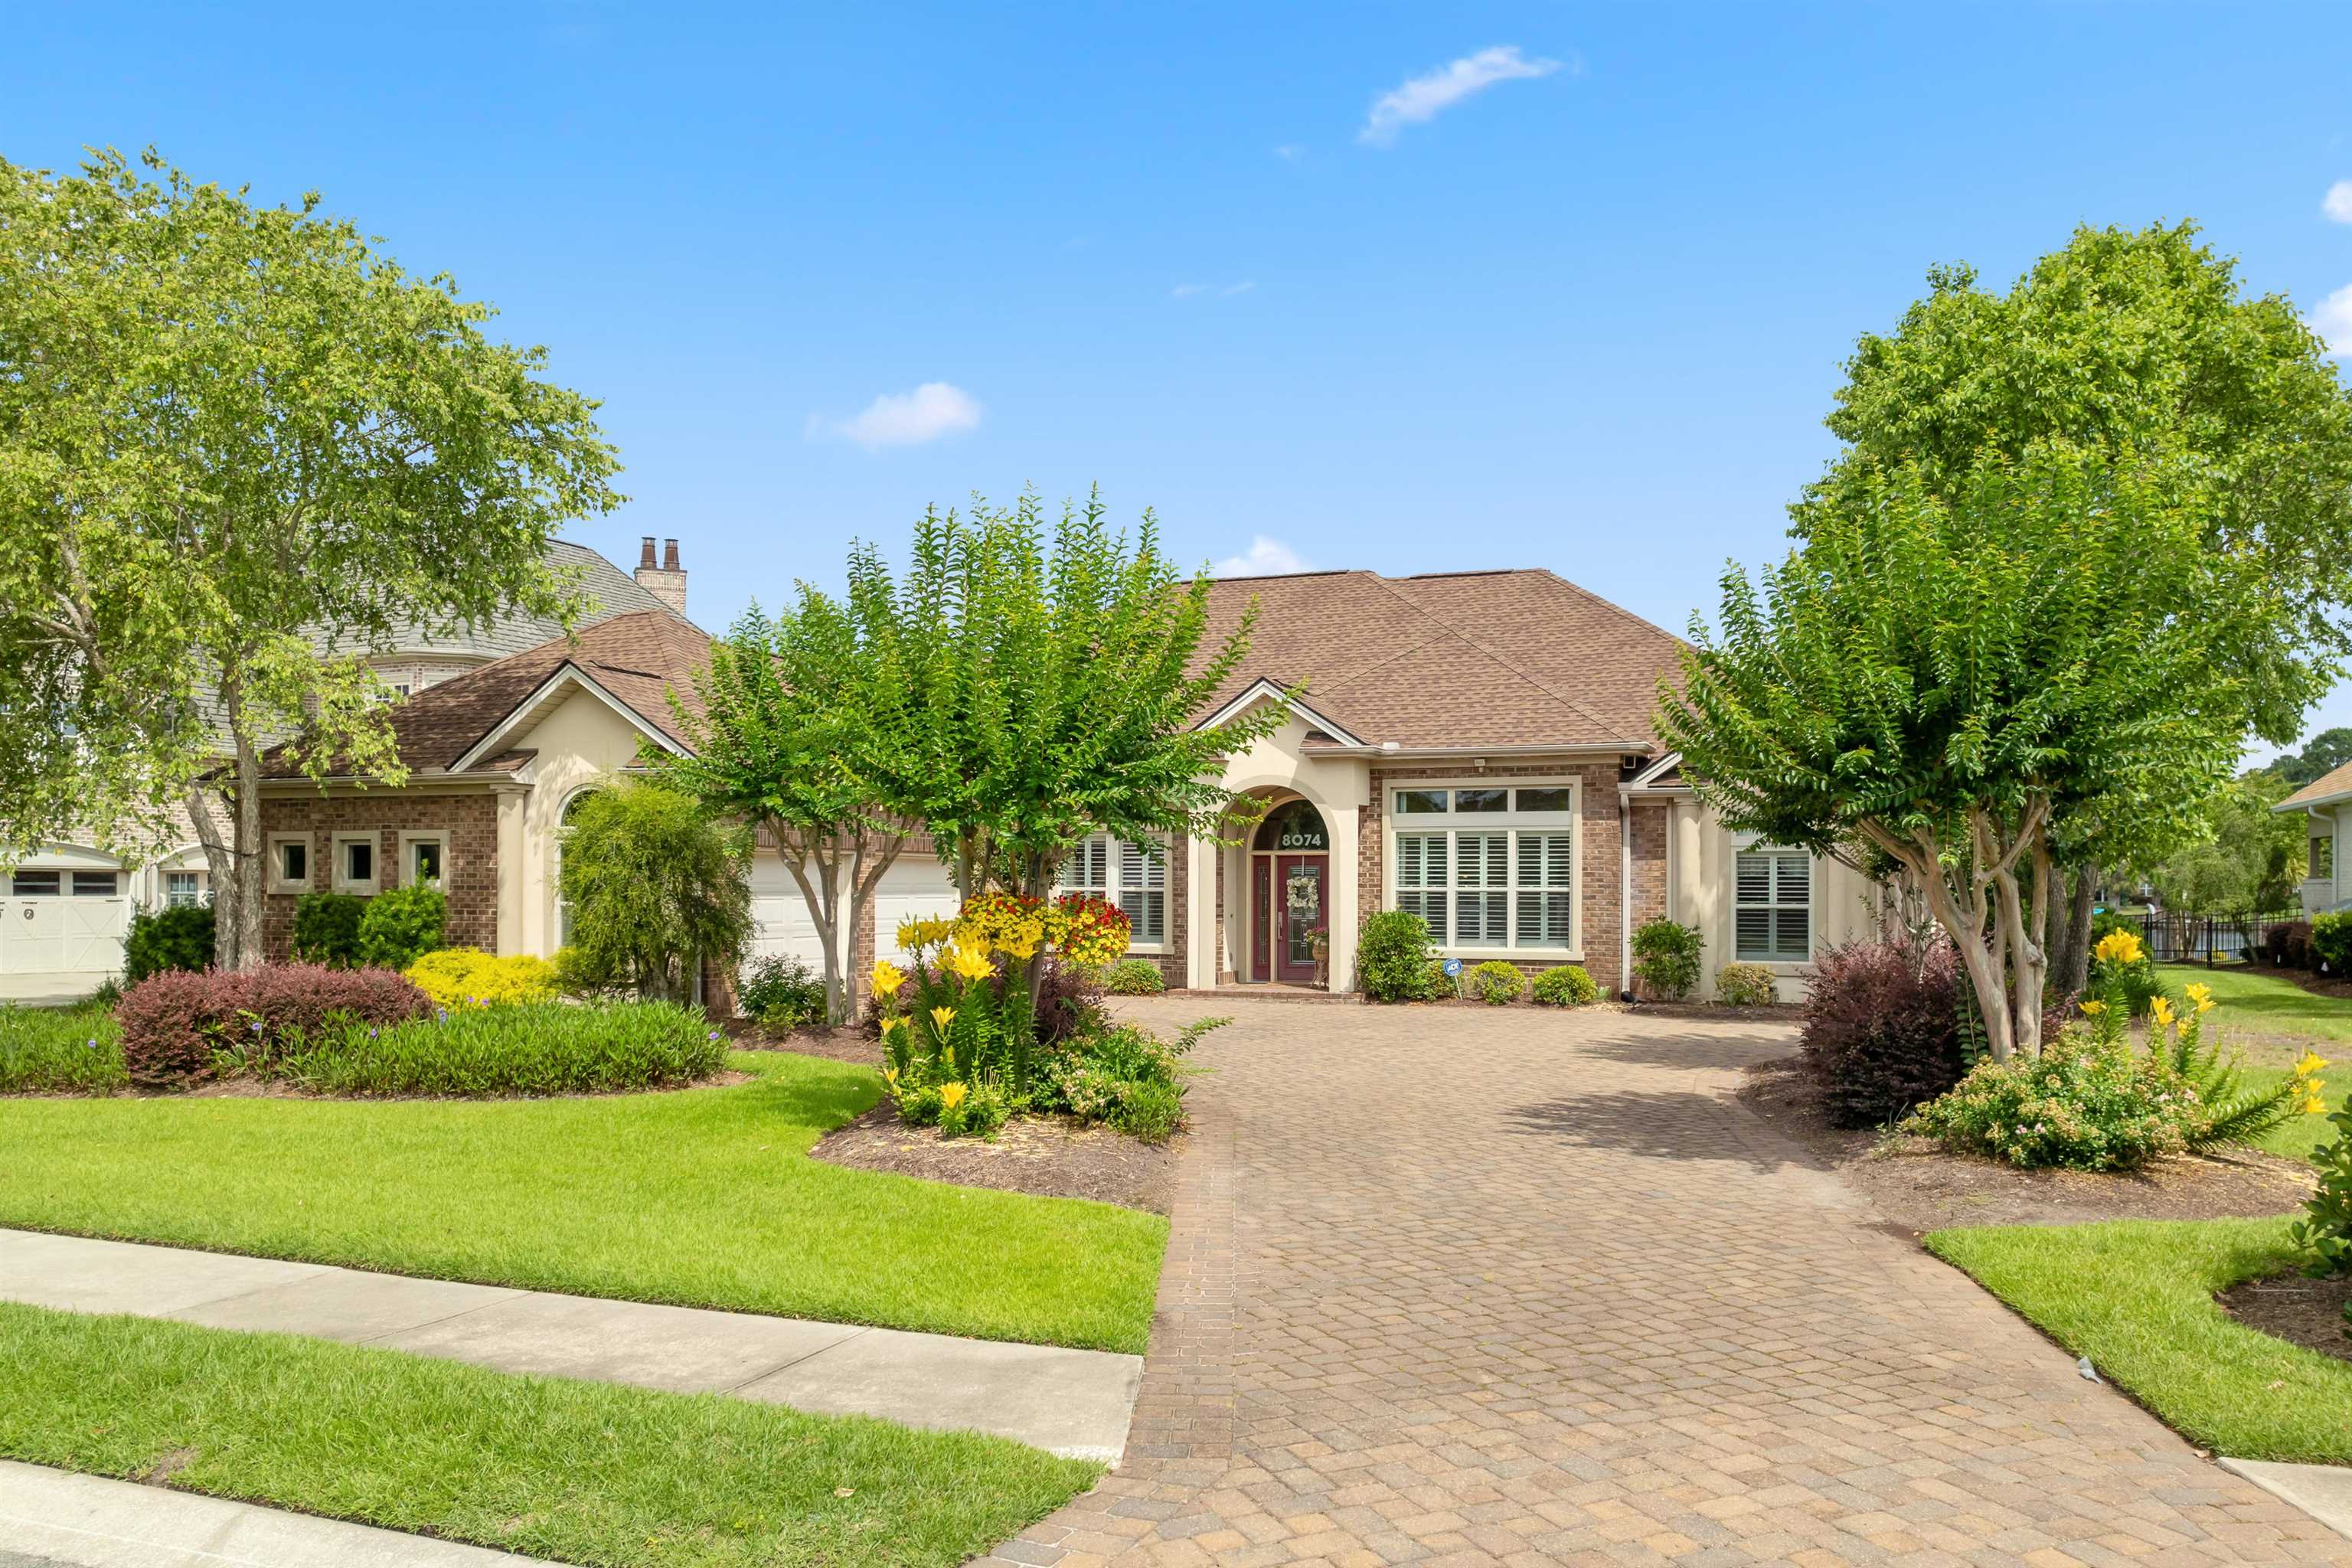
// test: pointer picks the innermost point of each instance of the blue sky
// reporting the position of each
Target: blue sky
(1576, 297)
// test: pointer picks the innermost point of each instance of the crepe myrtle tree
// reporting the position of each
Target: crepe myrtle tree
(239, 447)
(1935, 675)
(1036, 684)
(2144, 344)
(778, 743)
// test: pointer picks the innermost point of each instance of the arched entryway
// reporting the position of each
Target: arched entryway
(1290, 895)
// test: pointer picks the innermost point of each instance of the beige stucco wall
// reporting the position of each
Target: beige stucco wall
(1700, 852)
(579, 741)
(1339, 788)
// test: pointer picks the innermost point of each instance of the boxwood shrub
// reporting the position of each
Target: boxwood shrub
(1134, 977)
(1746, 986)
(401, 925)
(1497, 983)
(1566, 985)
(327, 928)
(177, 936)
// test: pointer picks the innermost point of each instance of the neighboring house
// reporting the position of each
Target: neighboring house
(2324, 801)
(1477, 747)
(64, 911)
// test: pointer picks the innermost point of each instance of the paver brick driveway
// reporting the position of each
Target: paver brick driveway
(1465, 1286)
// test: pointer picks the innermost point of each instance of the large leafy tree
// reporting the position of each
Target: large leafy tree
(238, 447)
(1036, 684)
(2321, 755)
(1942, 671)
(2141, 344)
(781, 742)
(2247, 860)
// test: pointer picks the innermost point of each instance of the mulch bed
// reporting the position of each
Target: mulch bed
(845, 1044)
(1920, 1187)
(2308, 1312)
(1048, 1156)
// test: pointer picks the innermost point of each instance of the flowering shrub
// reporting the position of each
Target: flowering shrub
(2085, 1104)
(1745, 986)
(173, 1023)
(1566, 985)
(2122, 970)
(461, 977)
(1495, 983)
(1134, 977)
(1086, 929)
(2092, 1102)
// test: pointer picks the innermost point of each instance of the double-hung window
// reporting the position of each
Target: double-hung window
(1772, 907)
(1132, 874)
(1491, 866)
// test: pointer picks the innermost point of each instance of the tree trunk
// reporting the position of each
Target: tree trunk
(2074, 976)
(802, 856)
(249, 907)
(222, 865)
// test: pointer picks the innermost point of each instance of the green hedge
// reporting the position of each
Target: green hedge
(529, 1048)
(60, 1050)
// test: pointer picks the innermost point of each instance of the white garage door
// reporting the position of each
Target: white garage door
(61, 927)
(913, 888)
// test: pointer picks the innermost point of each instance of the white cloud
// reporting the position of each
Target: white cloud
(2333, 321)
(1223, 291)
(1421, 97)
(903, 420)
(1186, 290)
(2337, 203)
(1265, 558)
(1290, 152)
(1243, 287)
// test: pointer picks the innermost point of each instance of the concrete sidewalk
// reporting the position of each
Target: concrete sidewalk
(1068, 1402)
(49, 1519)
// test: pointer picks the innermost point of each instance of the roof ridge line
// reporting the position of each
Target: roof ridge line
(1559, 697)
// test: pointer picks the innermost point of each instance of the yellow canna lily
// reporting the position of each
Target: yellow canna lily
(2159, 1011)
(2094, 1008)
(2311, 1063)
(2201, 995)
(951, 1095)
(941, 1018)
(894, 1021)
(2118, 947)
(888, 977)
(970, 961)
(2314, 1106)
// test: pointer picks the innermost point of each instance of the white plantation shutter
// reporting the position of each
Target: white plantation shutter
(1087, 871)
(1420, 880)
(1142, 889)
(1772, 906)
(1546, 889)
(1479, 913)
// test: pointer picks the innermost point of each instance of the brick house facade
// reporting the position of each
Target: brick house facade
(468, 824)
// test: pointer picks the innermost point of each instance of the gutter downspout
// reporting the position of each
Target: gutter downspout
(1624, 897)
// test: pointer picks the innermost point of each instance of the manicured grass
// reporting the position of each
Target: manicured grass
(703, 1197)
(2262, 1003)
(60, 1050)
(2137, 1297)
(580, 1472)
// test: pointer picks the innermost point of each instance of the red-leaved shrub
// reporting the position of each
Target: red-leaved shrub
(1882, 1028)
(173, 1022)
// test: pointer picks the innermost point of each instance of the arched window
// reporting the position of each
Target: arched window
(1294, 827)
(555, 867)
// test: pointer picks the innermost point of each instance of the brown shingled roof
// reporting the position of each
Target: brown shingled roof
(1458, 658)
(638, 657)
(2326, 787)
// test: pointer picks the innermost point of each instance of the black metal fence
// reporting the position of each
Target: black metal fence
(2179, 937)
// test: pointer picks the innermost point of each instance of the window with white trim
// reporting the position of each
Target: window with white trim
(355, 868)
(1772, 905)
(183, 889)
(1132, 874)
(290, 863)
(1489, 866)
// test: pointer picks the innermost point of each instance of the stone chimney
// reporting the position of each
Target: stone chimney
(666, 581)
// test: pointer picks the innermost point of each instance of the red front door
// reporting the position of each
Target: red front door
(1298, 914)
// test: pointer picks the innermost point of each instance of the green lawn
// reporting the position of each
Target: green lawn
(2266, 1003)
(702, 1197)
(2251, 1003)
(2137, 1297)
(580, 1472)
